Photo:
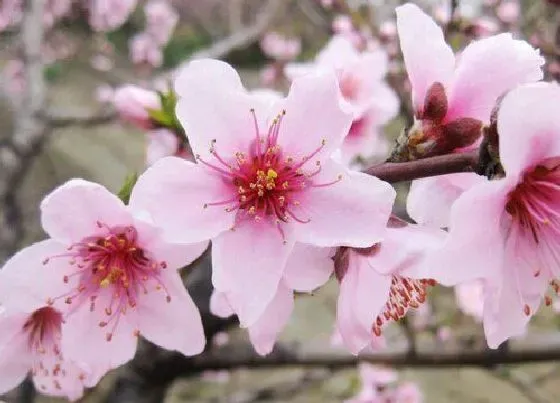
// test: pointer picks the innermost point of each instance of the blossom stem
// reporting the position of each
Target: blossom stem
(393, 172)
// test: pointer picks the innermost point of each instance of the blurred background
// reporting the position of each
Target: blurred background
(59, 120)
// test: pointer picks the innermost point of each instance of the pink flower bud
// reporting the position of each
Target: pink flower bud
(508, 12)
(132, 104)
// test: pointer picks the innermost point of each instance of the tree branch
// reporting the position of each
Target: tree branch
(441, 165)
(57, 121)
(245, 36)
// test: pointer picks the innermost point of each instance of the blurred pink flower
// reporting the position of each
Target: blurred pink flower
(104, 94)
(133, 104)
(55, 10)
(408, 392)
(11, 12)
(108, 15)
(485, 26)
(279, 47)
(388, 29)
(380, 284)
(144, 49)
(505, 231)
(161, 143)
(161, 19)
(119, 277)
(508, 11)
(470, 298)
(361, 82)
(342, 24)
(256, 174)
(101, 62)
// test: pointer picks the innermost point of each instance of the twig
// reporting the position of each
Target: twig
(56, 121)
(441, 165)
(245, 36)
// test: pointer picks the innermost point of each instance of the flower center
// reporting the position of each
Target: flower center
(265, 181)
(405, 293)
(43, 330)
(111, 271)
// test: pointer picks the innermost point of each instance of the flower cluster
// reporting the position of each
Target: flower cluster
(269, 186)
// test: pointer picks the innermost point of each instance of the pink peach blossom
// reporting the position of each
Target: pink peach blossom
(342, 24)
(161, 19)
(307, 268)
(388, 29)
(506, 231)
(508, 11)
(120, 277)
(279, 47)
(134, 103)
(31, 331)
(454, 98)
(11, 12)
(161, 143)
(360, 78)
(108, 15)
(380, 283)
(470, 298)
(259, 185)
(485, 26)
(144, 49)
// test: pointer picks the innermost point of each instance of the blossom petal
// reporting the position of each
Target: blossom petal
(474, 247)
(174, 325)
(430, 199)
(363, 293)
(358, 202)
(219, 305)
(427, 57)
(529, 126)
(337, 53)
(487, 69)
(76, 209)
(26, 282)
(248, 264)
(315, 115)
(308, 267)
(15, 363)
(173, 192)
(264, 332)
(213, 105)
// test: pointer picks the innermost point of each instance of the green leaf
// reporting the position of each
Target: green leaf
(126, 189)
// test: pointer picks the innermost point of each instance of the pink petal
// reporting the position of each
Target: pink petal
(429, 200)
(181, 214)
(219, 305)
(15, 363)
(248, 264)
(470, 252)
(529, 126)
(68, 385)
(315, 107)
(358, 202)
(73, 211)
(82, 329)
(26, 283)
(213, 105)
(308, 267)
(427, 57)
(337, 53)
(470, 298)
(264, 332)
(487, 69)
(160, 143)
(363, 293)
(174, 325)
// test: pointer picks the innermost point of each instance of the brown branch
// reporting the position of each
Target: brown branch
(237, 357)
(245, 36)
(441, 165)
(57, 121)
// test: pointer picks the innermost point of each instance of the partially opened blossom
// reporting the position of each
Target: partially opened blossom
(278, 47)
(264, 180)
(508, 11)
(380, 284)
(506, 231)
(306, 269)
(119, 277)
(133, 105)
(361, 81)
(108, 15)
(31, 331)
(453, 98)
(161, 19)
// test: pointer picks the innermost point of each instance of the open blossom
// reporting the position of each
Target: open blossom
(361, 81)
(161, 19)
(279, 47)
(307, 268)
(108, 15)
(145, 49)
(264, 180)
(119, 276)
(31, 332)
(380, 284)
(506, 231)
(453, 98)
(134, 103)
